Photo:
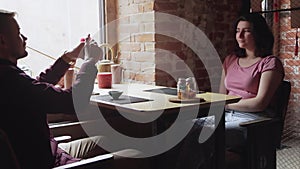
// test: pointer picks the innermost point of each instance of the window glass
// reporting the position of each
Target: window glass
(53, 26)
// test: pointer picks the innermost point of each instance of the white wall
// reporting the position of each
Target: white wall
(53, 26)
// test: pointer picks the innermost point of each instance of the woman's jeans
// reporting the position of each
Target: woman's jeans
(236, 135)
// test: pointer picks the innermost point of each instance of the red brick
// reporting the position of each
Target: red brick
(148, 7)
(164, 6)
(173, 46)
(293, 76)
(287, 42)
(288, 70)
(144, 77)
(290, 48)
(143, 57)
(129, 28)
(290, 35)
(292, 62)
(130, 9)
(144, 38)
(132, 47)
(168, 27)
(282, 2)
(124, 55)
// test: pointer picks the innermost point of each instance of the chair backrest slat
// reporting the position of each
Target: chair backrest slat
(283, 94)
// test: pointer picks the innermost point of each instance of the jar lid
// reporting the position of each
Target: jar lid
(106, 61)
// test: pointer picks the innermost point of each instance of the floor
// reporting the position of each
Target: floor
(289, 156)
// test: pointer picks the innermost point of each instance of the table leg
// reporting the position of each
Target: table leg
(220, 143)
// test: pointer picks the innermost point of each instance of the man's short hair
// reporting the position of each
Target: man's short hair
(4, 17)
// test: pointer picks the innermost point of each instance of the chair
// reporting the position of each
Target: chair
(119, 159)
(8, 159)
(99, 162)
(263, 137)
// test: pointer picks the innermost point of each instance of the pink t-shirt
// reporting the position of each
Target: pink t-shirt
(244, 81)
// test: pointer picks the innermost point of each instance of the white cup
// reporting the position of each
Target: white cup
(116, 71)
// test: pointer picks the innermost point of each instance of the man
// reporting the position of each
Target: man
(25, 101)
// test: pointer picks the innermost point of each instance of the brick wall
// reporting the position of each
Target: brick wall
(215, 19)
(292, 67)
(141, 49)
(136, 40)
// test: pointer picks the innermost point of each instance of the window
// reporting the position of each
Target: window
(53, 26)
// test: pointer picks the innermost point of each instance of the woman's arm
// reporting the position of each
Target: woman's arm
(269, 82)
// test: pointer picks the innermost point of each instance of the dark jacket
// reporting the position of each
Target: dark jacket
(24, 103)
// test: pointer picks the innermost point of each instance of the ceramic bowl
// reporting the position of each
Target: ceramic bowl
(115, 94)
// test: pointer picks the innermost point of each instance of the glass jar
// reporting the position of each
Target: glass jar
(191, 87)
(181, 87)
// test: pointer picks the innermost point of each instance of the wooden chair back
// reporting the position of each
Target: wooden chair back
(283, 94)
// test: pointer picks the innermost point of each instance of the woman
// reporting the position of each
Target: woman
(251, 72)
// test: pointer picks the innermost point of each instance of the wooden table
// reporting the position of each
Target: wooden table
(158, 103)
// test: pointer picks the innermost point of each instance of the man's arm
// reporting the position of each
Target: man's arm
(53, 74)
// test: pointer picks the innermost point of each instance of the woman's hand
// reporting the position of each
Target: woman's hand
(92, 51)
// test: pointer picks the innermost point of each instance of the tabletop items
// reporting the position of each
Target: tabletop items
(122, 100)
(115, 94)
(187, 88)
(155, 99)
(105, 73)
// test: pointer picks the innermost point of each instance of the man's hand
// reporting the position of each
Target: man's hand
(87, 49)
(71, 56)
